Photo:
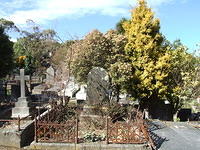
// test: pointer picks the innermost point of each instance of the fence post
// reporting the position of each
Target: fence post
(48, 116)
(36, 129)
(18, 123)
(76, 129)
(107, 128)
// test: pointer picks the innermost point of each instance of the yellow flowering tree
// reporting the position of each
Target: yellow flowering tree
(148, 61)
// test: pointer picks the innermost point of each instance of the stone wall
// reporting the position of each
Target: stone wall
(89, 146)
(18, 139)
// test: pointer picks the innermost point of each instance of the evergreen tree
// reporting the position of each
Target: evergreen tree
(148, 63)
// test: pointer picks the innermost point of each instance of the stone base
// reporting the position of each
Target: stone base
(87, 146)
(89, 110)
(13, 139)
(21, 108)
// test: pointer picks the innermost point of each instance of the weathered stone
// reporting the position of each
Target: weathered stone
(11, 137)
(39, 89)
(71, 88)
(50, 75)
(81, 95)
(21, 108)
(97, 86)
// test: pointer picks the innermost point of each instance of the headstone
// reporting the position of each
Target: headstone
(123, 99)
(97, 86)
(71, 88)
(50, 74)
(21, 108)
(81, 95)
(39, 89)
(184, 114)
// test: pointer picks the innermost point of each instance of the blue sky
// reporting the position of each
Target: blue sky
(180, 19)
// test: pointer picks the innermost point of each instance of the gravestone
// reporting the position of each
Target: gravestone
(184, 114)
(81, 95)
(21, 108)
(97, 86)
(71, 88)
(39, 89)
(50, 75)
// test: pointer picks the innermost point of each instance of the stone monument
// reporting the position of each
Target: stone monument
(81, 94)
(71, 88)
(97, 86)
(50, 75)
(21, 108)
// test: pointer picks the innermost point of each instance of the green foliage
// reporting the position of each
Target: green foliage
(8, 25)
(119, 26)
(62, 53)
(93, 137)
(183, 79)
(38, 47)
(6, 53)
(92, 51)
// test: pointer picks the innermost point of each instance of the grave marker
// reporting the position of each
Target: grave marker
(21, 108)
(97, 86)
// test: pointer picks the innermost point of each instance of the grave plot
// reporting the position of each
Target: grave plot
(57, 125)
(63, 124)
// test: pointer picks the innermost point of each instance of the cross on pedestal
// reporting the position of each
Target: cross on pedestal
(21, 108)
(22, 79)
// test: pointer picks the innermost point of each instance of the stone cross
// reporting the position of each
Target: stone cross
(22, 79)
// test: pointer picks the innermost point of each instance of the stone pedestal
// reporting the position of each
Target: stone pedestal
(21, 108)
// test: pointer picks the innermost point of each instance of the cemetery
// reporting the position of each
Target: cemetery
(129, 88)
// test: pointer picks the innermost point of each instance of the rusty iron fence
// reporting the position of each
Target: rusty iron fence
(57, 125)
(17, 121)
(127, 133)
(56, 132)
(49, 128)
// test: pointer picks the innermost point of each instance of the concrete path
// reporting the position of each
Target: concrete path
(175, 136)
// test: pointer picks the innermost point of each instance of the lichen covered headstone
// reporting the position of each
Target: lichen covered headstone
(97, 86)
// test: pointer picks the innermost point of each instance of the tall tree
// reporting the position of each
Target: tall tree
(119, 26)
(144, 71)
(92, 51)
(183, 79)
(6, 54)
(38, 46)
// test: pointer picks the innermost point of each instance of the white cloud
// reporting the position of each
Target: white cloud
(43, 10)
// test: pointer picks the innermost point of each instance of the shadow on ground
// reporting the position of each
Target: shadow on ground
(153, 126)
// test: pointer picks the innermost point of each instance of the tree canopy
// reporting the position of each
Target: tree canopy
(6, 53)
(37, 46)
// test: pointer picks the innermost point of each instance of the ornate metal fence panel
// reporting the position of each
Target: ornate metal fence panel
(127, 133)
(59, 125)
(56, 126)
(56, 132)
